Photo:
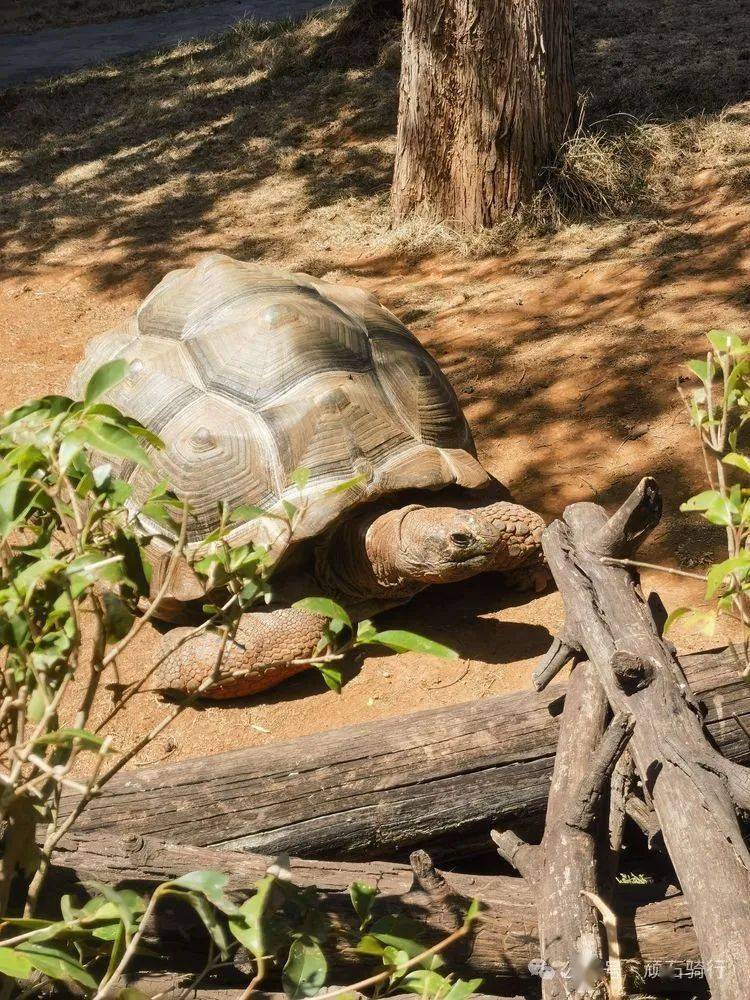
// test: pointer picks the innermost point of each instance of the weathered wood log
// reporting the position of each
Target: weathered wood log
(565, 868)
(620, 790)
(160, 985)
(502, 949)
(694, 791)
(438, 779)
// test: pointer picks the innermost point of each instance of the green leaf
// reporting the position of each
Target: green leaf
(738, 565)
(702, 369)
(14, 965)
(211, 884)
(701, 501)
(332, 675)
(300, 478)
(118, 619)
(248, 925)
(211, 921)
(56, 963)
(366, 632)
(399, 932)
(120, 939)
(348, 484)
(64, 738)
(9, 496)
(69, 448)
(369, 945)
(109, 439)
(305, 970)
(403, 642)
(128, 905)
(740, 461)
(36, 705)
(394, 957)
(722, 511)
(105, 378)
(472, 913)
(36, 571)
(290, 509)
(324, 606)
(425, 982)
(462, 989)
(247, 512)
(723, 341)
(362, 896)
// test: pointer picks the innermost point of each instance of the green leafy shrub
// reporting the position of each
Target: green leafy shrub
(719, 408)
(73, 552)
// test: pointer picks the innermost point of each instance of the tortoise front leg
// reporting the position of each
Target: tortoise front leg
(262, 651)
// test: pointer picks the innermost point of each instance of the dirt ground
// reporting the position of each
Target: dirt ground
(564, 349)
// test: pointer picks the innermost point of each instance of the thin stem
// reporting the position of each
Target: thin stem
(382, 976)
(611, 561)
(55, 833)
(260, 973)
(111, 981)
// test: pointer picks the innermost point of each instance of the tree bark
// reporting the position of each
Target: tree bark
(693, 789)
(435, 779)
(659, 932)
(565, 868)
(486, 97)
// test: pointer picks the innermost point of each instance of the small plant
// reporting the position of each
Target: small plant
(278, 925)
(73, 570)
(719, 408)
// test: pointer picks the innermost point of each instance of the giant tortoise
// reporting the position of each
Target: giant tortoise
(249, 373)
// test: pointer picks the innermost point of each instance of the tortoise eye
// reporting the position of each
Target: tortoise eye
(461, 539)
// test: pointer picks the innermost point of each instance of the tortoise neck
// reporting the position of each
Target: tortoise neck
(360, 560)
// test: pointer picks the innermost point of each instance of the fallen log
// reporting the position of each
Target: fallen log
(564, 870)
(506, 942)
(439, 779)
(695, 792)
(171, 985)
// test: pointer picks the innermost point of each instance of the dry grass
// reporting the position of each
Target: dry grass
(276, 140)
(33, 15)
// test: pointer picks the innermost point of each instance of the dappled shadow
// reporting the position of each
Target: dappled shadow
(141, 163)
(565, 357)
(266, 141)
(164, 155)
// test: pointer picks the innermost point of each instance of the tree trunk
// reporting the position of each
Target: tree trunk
(657, 933)
(486, 97)
(693, 789)
(441, 777)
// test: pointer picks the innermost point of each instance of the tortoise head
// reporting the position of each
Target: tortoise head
(429, 545)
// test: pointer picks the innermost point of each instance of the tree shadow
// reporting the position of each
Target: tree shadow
(156, 157)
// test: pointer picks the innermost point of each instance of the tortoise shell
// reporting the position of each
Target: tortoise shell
(248, 373)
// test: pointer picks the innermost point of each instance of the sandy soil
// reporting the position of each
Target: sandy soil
(564, 356)
(564, 352)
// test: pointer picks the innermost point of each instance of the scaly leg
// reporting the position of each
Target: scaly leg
(264, 648)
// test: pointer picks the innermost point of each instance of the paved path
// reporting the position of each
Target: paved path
(58, 50)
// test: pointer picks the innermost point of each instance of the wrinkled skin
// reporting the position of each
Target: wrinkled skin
(372, 561)
(428, 545)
